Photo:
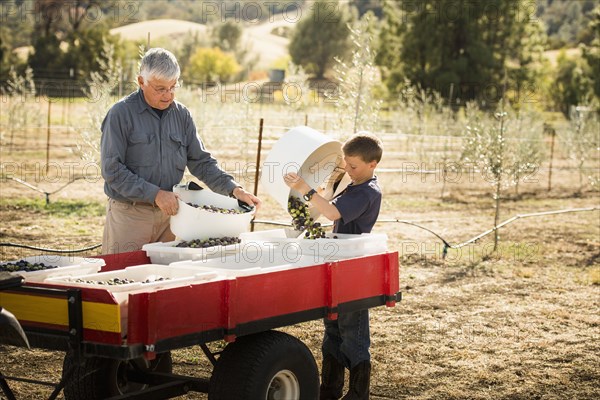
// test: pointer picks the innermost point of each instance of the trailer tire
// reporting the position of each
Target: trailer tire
(97, 378)
(265, 366)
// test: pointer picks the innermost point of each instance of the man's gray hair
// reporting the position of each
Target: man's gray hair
(160, 64)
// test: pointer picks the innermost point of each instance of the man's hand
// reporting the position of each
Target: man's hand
(247, 197)
(167, 202)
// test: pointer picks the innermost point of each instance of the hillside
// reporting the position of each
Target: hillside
(157, 28)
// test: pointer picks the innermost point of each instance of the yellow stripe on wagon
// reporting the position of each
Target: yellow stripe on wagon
(50, 310)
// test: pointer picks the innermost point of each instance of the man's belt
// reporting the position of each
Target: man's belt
(137, 203)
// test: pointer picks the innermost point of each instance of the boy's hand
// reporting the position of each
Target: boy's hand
(327, 209)
(296, 182)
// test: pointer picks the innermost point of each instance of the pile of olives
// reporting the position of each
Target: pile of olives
(301, 219)
(210, 242)
(25, 266)
(118, 281)
(215, 209)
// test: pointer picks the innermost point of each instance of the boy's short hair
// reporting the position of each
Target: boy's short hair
(364, 145)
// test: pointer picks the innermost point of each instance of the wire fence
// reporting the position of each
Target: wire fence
(406, 153)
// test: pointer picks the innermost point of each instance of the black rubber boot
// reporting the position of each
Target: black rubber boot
(332, 379)
(360, 379)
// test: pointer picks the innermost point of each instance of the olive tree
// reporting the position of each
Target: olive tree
(357, 79)
(20, 90)
(581, 138)
(100, 87)
(503, 147)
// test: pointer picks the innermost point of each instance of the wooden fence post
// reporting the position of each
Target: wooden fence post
(257, 172)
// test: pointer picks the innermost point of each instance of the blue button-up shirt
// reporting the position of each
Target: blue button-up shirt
(141, 153)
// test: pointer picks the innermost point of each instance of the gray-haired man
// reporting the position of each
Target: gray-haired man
(148, 139)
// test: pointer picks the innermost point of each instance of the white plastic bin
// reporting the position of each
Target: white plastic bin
(336, 246)
(191, 223)
(167, 252)
(252, 261)
(316, 157)
(65, 266)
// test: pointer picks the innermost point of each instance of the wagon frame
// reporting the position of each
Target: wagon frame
(136, 364)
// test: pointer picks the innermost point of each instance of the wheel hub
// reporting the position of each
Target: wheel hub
(284, 386)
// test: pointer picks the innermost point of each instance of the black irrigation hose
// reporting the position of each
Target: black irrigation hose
(37, 189)
(447, 245)
(508, 221)
(277, 223)
(47, 194)
(24, 246)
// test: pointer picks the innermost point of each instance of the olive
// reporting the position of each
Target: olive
(301, 219)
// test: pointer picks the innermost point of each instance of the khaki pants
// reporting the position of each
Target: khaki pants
(130, 226)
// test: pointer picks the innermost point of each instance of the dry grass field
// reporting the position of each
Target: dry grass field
(257, 37)
(519, 323)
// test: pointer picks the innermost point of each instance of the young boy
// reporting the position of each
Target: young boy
(347, 339)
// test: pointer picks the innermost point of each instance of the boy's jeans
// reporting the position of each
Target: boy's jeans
(348, 338)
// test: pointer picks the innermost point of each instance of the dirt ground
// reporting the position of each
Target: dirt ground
(522, 322)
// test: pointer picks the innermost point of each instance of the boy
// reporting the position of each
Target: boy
(346, 341)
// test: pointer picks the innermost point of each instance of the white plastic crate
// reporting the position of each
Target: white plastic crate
(177, 277)
(145, 276)
(264, 235)
(252, 262)
(343, 245)
(336, 246)
(167, 252)
(65, 266)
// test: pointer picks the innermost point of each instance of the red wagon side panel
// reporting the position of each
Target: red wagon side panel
(278, 293)
(176, 311)
(225, 305)
(365, 277)
(122, 260)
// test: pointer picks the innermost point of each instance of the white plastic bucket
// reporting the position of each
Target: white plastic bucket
(65, 266)
(316, 157)
(191, 223)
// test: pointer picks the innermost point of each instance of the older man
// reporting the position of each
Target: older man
(148, 139)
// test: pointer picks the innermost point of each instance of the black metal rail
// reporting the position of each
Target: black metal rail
(159, 385)
(52, 339)
(162, 385)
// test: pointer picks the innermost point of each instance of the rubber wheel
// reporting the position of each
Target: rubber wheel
(98, 378)
(265, 366)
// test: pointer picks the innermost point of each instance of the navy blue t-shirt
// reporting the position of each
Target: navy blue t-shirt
(359, 207)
